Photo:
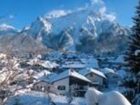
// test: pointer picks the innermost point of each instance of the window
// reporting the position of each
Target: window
(61, 87)
(91, 75)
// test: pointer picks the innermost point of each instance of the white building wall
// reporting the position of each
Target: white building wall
(63, 82)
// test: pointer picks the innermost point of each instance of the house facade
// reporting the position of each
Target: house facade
(71, 83)
(97, 80)
(42, 86)
(97, 77)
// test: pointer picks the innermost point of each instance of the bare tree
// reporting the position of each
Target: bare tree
(8, 74)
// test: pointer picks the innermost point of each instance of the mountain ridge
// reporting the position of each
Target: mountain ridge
(90, 30)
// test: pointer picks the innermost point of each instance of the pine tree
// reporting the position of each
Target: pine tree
(133, 53)
(133, 57)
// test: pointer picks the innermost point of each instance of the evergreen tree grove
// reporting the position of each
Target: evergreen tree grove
(133, 53)
(132, 56)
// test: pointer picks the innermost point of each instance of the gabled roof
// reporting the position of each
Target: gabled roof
(69, 73)
(91, 70)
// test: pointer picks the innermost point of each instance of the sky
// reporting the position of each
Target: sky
(21, 13)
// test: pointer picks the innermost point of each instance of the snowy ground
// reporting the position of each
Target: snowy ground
(39, 98)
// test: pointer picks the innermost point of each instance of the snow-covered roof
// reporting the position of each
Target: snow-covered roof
(41, 74)
(48, 64)
(68, 73)
(120, 59)
(91, 70)
(74, 65)
(108, 70)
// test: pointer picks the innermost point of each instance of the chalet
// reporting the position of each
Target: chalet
(42, 86)
(70, 82)
(97, 77)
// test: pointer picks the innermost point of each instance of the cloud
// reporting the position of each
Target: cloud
(101, 9)
(57, 13)
(110, 17)
(96, 1)
(96, 6)
(11, 16)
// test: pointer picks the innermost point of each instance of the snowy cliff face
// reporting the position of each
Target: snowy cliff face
(86, 29)
(90, 29)
(39, 27)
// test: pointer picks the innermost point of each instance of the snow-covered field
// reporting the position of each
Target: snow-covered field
(39, 98)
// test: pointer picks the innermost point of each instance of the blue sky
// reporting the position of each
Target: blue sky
(20, 13)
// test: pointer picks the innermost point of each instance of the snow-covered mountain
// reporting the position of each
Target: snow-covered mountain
(7, 30)
(12, 41)
(90, 29)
